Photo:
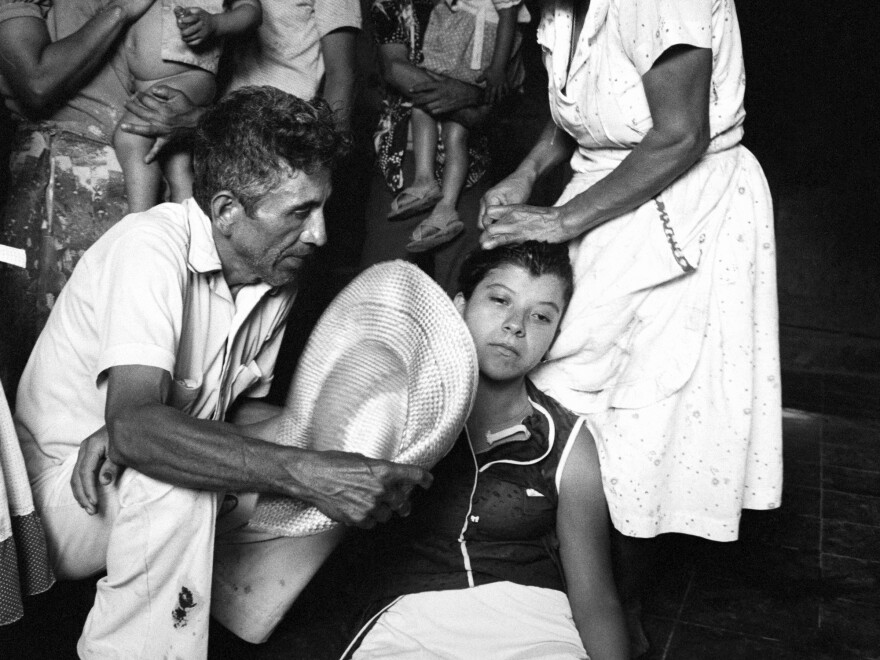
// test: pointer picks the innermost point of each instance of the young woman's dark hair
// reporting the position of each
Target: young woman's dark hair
(536, 257)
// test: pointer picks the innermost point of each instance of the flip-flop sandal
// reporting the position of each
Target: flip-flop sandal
(436, 229)
(420, 200)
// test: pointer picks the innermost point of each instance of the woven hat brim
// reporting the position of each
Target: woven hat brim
(392, 310)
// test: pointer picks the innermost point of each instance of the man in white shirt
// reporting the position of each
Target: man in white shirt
(167, 321)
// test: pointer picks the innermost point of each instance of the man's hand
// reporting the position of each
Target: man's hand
(443, 95)
(356, 490)
(92, 466)
(167, 114)
(196, 25)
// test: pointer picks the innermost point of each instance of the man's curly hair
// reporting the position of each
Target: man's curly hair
(255, 137)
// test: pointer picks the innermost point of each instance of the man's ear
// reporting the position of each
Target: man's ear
(226, 210)
(459, 302)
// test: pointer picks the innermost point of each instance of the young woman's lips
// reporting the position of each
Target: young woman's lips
(506, 350)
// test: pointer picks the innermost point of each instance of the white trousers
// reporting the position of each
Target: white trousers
(157, 544)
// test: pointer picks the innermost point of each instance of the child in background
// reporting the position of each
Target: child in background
(475, 41)
(179, 47)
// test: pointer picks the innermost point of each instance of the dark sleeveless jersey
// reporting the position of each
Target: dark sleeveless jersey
(487, 517)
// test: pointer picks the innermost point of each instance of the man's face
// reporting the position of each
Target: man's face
(512, 316)
(275, 242)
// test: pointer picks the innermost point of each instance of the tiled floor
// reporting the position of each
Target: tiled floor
(803, 582)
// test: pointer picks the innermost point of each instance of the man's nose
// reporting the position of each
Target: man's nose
(315, 232)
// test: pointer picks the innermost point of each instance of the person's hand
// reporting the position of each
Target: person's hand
(497, 85)
(195, 24)
(514, 189)
(516, 223)
(442, 95)
(93, 466)
(134, 9)
(356, 490)
(167, 114)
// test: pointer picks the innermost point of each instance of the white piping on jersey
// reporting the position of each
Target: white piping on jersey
(551, 439)
(569, 444)
(365, 628)
(461, 540)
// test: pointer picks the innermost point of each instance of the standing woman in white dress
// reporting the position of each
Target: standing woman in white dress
(670, 344)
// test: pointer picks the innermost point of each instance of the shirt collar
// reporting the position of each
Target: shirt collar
(202, 256)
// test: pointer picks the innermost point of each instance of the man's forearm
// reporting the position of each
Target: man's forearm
(169, 445)
(43, 73)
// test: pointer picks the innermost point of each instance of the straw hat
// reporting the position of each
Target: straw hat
(390, 371)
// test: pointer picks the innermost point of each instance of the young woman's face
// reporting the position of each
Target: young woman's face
(513, 317)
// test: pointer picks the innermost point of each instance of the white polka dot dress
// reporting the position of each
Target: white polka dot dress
(670, 345)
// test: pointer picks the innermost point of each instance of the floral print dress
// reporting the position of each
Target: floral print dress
(404, 22)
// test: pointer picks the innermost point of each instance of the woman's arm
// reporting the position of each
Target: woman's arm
(582, 526)
(553, 147)
(43, 73)
(677, 90)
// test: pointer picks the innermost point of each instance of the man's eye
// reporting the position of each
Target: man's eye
(543, 318)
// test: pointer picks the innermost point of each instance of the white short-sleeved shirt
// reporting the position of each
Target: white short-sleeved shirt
(286, 51)
(149, 292)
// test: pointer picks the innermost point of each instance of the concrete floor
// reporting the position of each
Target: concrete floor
(802, 582)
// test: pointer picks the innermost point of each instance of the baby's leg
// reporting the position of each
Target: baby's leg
(199, 85)
(424, 134)
(142, 180)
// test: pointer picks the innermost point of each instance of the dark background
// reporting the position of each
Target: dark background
(812, 102)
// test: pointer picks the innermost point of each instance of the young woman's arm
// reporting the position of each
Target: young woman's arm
(582, 526)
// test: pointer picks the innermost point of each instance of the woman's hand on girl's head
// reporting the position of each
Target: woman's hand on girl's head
(517, 223)
(515, 189)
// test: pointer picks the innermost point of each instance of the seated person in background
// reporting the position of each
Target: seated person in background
(398, 27)
(180, 49)
(473, 571)
(170, 319)
(452, 48)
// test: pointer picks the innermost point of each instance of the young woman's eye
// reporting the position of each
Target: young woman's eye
(498, 299)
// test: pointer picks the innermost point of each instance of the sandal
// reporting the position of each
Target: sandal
(440, 227)
(412, 201)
